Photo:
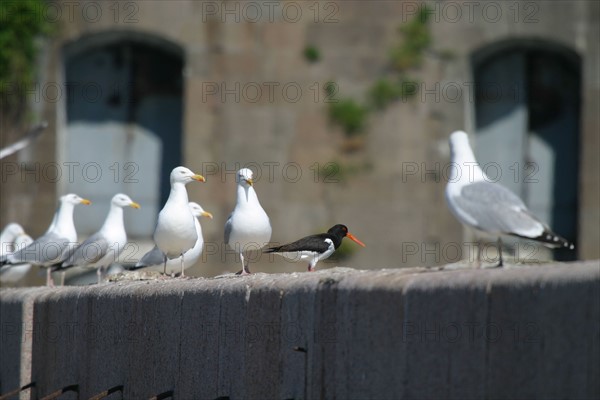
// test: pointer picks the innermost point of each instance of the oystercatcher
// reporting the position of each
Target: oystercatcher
(315, 247)
(486, 206)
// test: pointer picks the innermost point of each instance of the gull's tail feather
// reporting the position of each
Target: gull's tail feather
(551, 239)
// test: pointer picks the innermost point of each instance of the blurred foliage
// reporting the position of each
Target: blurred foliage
(403, 57)
(331, 89)
(417, 38)
(352, 116)
(383, 92)
(22, 24)
(312, 54)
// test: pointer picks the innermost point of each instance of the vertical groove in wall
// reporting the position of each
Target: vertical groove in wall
(26, 344)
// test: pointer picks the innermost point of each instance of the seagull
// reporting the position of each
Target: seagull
(14, 273)
(248, 225)
(486, 206)
(33, 134)
(9, 235)
(103, 247)
(155, 258)
(175, 231)
(315, 247)
(53, 246)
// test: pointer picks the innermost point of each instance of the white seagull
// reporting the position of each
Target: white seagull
(15, 273)
(33, 134)
(103, 247)
(479, 203)
(175, 231)
(248, 227)
(154, 259)
(9, 235)
(53, 246)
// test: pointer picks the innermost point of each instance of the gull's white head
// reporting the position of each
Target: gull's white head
(459, 142)
(122, 200)
(244, 177)
(185, 176)
(13, 230)
(198, 211)
(72, 198)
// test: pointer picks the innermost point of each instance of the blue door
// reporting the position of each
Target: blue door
(124, 118)
(527, 131)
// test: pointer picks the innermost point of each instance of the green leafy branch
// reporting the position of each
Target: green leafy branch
(22, 23)
(350, 114)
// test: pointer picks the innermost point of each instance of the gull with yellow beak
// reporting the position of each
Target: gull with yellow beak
(248, 227)
(53, 246)
(102, 248)
(175, 231)
(154, 259)
(487, 206)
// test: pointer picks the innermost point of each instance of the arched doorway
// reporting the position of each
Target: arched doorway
(124, 110)
(527, 127)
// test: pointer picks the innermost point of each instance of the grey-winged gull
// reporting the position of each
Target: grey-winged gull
(54, 245)
(33, 133)
(15, 273)
(154, 259)
(103, 247)
(487, 206)
(175, 231)
(8, 236)
(248, 227)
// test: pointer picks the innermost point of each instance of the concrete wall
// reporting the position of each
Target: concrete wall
(520, 332)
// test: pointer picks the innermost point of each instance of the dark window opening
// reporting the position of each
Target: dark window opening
(527, 107)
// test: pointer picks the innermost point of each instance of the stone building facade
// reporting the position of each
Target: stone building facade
(216, 85)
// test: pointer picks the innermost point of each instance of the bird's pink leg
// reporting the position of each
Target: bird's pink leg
(49, 280)
(245, 270)
(501, 262)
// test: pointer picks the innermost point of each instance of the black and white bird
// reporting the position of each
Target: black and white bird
(54, 245)
(315, 248)
(103, 248)
(175, 231)
(248, 227)
(487, 206)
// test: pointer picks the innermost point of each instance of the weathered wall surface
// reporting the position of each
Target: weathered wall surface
(521, 332)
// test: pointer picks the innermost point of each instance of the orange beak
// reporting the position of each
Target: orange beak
(354, 239)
